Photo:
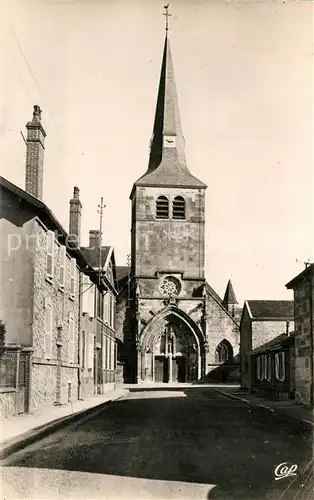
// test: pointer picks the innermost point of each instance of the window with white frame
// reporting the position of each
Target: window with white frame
(50, 254)
(62, 266)
(260, 365)
(106, 307)
(112, 312)
(280, 366)
(48, 328)
(112, 355)
(71, 351)
(108, 353)
(110, 309)
(268, 368)
(72, 278)
(90, 351)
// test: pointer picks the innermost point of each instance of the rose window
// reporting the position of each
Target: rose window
(170, 286)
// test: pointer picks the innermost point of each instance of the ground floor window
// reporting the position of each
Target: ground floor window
(280, 366)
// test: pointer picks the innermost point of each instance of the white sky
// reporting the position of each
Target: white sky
(244, 74)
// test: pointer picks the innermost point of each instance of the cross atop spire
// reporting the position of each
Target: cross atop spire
(166, 7)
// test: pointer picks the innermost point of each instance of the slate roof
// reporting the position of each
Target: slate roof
(167, 166)
(280, 341)
(51, 222)
(308, 272)
(272, 309)
(212, 292)
(92, 255)
(122, 272)
(229, 297)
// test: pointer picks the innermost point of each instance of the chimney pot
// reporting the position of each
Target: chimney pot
(75, 218)
(94, 238)
(35, 155)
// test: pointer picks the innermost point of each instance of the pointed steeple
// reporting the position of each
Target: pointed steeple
(229, 297)
(167, 162)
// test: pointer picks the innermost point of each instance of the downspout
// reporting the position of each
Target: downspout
(79, 381)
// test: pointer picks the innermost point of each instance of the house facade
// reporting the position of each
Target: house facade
(303, 289)
(261, 322)
(59, 340)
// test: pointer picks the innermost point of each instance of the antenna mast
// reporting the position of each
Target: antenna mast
(101, 212)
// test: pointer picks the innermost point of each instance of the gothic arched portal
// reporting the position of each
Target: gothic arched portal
(172, 348)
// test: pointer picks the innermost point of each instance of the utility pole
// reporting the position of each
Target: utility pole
(101, 213)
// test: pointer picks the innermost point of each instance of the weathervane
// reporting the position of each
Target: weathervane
(167, 16)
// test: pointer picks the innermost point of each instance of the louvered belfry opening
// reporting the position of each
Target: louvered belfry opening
(162, 207)
(178, 208)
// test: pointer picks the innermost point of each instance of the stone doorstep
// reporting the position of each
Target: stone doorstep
(289, 410)
(31, 435)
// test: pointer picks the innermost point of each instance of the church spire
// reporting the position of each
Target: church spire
(229, 298)
(167, 162)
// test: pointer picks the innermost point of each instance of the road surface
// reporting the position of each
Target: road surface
(178, 443)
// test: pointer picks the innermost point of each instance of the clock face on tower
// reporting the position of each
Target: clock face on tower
(170, 286)
(169, 141)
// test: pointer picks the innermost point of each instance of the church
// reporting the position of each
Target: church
(171, 325)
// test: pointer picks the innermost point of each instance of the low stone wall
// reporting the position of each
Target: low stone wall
(7, 402)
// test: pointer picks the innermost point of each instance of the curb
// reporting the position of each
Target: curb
(307, 424)
(17, 443)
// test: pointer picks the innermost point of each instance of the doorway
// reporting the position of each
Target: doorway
(161, 369)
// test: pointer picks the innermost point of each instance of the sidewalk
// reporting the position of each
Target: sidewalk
(22, 430)
(287, 409)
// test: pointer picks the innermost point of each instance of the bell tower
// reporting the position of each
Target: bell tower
(167, 243)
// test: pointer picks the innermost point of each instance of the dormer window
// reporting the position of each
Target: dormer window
(178, 208)
(162, 207)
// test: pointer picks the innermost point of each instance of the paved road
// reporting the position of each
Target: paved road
(185, 443)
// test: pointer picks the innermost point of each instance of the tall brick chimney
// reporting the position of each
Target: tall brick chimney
(94, 238)
(35, 155)
(75, 218)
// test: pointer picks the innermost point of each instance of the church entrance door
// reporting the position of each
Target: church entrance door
(179, 369)
(161, 369)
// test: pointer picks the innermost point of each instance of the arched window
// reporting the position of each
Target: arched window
(178, 208)
(162, 207)
(223, 352)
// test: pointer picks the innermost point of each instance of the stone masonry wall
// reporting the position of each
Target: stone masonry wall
(7, 403)
(264, 331)
(44, 377)
(303, 340)
(219, 326)
(169, 244)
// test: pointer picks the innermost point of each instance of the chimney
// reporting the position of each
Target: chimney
(75, 218)
(35, 155)
(94, 238)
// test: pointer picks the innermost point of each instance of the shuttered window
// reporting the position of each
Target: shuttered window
(72, 278)
(90, 350)
(106, 315)
(83, 349)
(50, 254)
(280, 366)
(260, 367)
(162, 207)
(62, 266)
(48, 328)
(178, 208)
(71, 351)
(268, 368)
